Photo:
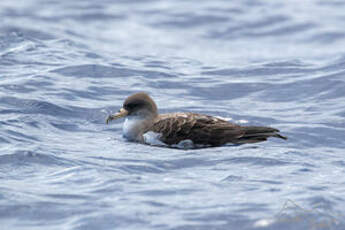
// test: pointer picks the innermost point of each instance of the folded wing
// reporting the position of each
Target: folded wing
(208, 130)
(201, 129)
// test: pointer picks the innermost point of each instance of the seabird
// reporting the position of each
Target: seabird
(186, 130)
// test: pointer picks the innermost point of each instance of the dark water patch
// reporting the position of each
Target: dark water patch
(157, 64)
(245, 208)
(232, 10)
(337, 65)
(283, 31)
(92, 55)
(340, 163)
(317, 188)
(311, 89)
(260, 71)
(18, 135)
(316, 136)
(27, 106)
(15, 41)
(66, 127)
(16, 88)
(69, 44)
(34, 211)
(287, 64)
(106, 90)
(27, 157)
(72, 197)
(101, 158)
(112, 186)
(272, 182)
(335, 3)
(262, 161)
(155, 204)
(327, 37)
(101, 71)
(87, 94)
(227, 91)
(109, 220)
(93, 71)
(40, 82)
(338, 76)
(215, 220)
(232, 178)
(166, 192)
(303, 170)
(64, 95)
(181, 20)
(8, 39)
(236, 31)
(95, 16)
(27, 34)
(306, 168)
(33, 124)
(141, 169)
(320, 202)
(4, 141)
(182, 163)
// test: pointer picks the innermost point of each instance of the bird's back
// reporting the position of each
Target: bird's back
(204, 130)
(200, 129)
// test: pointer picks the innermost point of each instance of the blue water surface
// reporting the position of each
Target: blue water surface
(65, 65)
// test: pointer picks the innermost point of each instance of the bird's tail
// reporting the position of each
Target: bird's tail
(253, 134)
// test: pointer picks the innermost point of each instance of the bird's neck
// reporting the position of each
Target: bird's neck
(135, 126)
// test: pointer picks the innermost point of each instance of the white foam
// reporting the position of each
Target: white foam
(230, 119)
(242, 121)
(263, 223)
(224, 118)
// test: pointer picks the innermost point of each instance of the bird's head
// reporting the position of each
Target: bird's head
(138, 104)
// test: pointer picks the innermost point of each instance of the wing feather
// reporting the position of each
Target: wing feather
(201, 129)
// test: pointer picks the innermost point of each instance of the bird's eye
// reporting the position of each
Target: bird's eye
(131, 105)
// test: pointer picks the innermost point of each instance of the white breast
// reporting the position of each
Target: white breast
(132, 128)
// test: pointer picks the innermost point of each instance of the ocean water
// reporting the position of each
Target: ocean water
(65, 65)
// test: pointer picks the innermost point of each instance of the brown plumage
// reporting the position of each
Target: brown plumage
(172, 128)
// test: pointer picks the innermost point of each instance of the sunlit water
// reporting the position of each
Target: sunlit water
(65, 65)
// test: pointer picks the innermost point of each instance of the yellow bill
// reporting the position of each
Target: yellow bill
(121, 113)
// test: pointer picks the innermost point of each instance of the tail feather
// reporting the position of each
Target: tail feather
(253, 134)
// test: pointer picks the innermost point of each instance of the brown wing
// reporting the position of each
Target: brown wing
(201, 129)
